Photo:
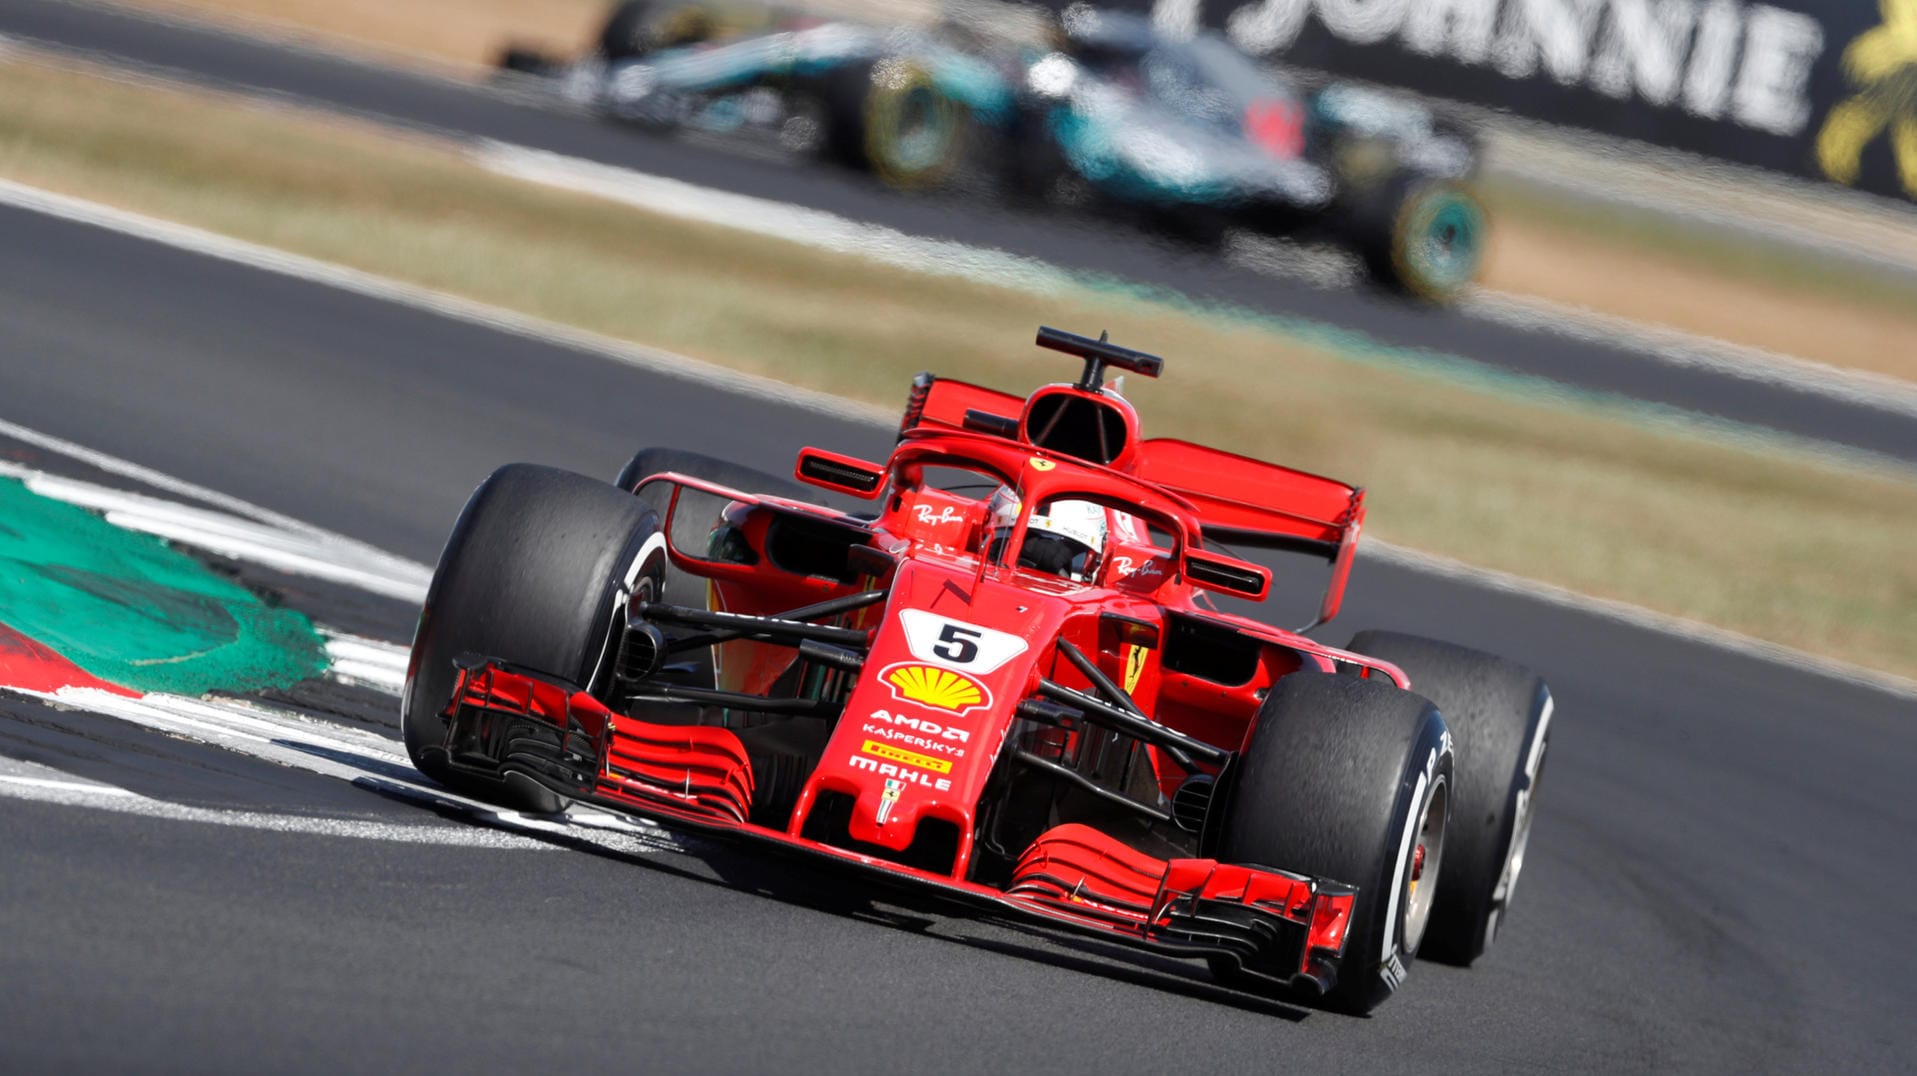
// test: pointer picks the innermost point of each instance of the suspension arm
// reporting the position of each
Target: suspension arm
(1182, 748)
(789, 627)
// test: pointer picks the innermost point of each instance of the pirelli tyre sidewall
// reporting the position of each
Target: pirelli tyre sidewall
(1345, 779)
(538, 572)
(1422, 236)
(1499, 713)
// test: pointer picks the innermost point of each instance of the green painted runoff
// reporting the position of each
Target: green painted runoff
(132, 610)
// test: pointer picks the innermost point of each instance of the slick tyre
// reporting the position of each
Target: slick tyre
(1499, 714)
(625, 36)
(888, 117)
(537, 573)
(1348, 780)
(1420, 236)
(640, 27)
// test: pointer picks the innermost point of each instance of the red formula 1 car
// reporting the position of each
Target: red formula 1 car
(1007, 683)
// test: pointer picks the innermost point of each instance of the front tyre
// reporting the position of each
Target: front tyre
(1421, 236)
(1499, 713)
(1347, 780)
(538, 572)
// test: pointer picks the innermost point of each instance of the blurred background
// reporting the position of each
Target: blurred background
(1614, 295)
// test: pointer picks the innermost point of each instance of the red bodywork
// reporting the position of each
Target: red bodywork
(961, 639)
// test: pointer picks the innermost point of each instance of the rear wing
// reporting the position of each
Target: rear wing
(1247, 502)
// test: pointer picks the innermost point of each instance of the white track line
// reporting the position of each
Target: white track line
(267, 259)
(358, 756)
(298, 549)
(217, 246)
(1856, 388)
(146, 475)
(56, 784)
(120, 801)
(814, 228)
(368, 662)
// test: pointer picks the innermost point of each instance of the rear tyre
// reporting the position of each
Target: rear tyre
(887, 116)
(624, 36)
(1347, 780)
(1420, 236)
(640, 27)
(1499, 714)
(538, 572)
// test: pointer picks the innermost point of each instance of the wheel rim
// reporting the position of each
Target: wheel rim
(1526, 810)
(642, 589)
(1521, 838)
(911, 126)
(1442, 243)
(1421, 874)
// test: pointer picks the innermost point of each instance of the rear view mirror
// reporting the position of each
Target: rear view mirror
(841, 474)
(697, 527)
(1227, 575)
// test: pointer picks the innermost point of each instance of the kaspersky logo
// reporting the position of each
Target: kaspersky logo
(940, 689)
(1882, 64)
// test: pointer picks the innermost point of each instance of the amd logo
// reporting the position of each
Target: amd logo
(923, 726)
(1716, 59)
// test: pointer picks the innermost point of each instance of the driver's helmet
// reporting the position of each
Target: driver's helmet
(1065, 538)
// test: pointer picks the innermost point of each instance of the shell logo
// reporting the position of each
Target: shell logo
(942, 689)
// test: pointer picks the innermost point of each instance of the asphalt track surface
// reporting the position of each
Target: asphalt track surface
(1718, 881)
(245, 64)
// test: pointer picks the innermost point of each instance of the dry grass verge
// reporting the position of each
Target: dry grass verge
(1796, 549)
(1748, 293)
(461, 34)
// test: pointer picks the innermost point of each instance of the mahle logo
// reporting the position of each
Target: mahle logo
(1882, 64)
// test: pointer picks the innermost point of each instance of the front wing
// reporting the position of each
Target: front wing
(1270, 924)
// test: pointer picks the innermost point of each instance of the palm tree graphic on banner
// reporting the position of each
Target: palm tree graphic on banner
(1882, 64)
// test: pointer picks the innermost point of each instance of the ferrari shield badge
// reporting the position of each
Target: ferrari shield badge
(889, 799)
(1135, 656)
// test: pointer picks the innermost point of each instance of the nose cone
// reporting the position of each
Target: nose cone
(921, 731)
